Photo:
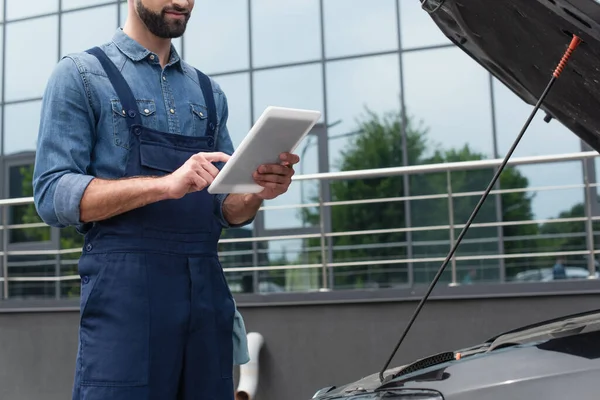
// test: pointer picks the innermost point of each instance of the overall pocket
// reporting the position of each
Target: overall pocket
(115, 320)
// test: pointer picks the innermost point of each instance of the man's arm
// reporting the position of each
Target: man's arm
(240, 208)
(64, 193)
(64, 147)
(106, 198)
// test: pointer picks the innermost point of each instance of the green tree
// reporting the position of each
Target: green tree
(567, 236)
(379, 145)
(69, 237)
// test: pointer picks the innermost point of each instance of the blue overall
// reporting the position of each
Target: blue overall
(156, 311)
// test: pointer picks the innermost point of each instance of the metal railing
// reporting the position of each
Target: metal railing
(326, 265)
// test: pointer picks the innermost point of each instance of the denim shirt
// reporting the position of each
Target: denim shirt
(83, 133)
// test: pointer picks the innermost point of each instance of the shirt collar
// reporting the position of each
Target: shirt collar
(137, 52)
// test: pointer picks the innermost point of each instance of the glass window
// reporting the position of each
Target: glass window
(19, 185)
(541, 138)
(30, 59)
(1, 66)
(98, 24)
(456, 111)
(71, 4)
(21, 126)
(550, 203)
(302, 88)
(355, 87)
(285, 31)
(19, 9)
(417, 27)
(237, 89)
(288, 214)
(216, 39)
(358, 26)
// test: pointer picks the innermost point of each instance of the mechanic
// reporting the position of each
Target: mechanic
(130, 137)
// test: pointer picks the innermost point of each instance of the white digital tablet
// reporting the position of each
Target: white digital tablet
(278, 130)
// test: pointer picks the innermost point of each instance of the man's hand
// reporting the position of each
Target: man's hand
(197, 173)
(276, 178)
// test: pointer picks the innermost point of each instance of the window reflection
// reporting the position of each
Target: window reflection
(285, 31)
(21, 9)
(19, 185)
(417, 27)
(21, 126)
(358, 26)
(299, 87)
(296, 87)
(98, 24)
(216, 38)
(30, 58)
(457, 111)
(550, 203)
(237, 89)
(541, 138)
(353, 88)
(71, 4)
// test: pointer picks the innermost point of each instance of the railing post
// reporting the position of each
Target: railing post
(451, 223)
(5, 252)
(324, 282)
(589, 227)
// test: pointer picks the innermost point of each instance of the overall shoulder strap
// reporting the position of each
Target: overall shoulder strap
(118, 82)
(209, 99)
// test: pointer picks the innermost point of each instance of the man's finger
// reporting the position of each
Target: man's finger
(206, 176)
(274, 169)
(289, 158)
(199, 183)
(267, 184)
(216, 156)
(270, 178)
(210, 168)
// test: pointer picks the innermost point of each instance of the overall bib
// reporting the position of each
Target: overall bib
(156, 311)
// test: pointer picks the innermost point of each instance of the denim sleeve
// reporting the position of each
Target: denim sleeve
(225, 145)
(64, 146)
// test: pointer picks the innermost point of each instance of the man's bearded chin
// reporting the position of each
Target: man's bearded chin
(159, 23)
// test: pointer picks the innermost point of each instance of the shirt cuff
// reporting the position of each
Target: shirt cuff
(224, 223)
(67, 197)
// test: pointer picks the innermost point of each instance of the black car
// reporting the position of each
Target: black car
(548, 53)
(552, 360)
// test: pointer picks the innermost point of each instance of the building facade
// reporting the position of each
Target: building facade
(348, 59)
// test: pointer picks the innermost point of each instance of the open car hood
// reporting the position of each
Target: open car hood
(521, 42)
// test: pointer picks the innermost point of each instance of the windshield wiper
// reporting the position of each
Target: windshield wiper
(559, 69)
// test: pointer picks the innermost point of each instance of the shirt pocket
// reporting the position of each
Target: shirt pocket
(199, 114)
(146, 109)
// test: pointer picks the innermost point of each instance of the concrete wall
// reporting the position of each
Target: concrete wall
(311, 341)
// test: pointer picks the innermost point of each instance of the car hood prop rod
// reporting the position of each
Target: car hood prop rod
(556, 74)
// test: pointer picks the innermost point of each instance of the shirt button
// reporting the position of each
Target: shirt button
(172, 111)
(146, 111)
(164, 78)
(152, 56)
(202, 115)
